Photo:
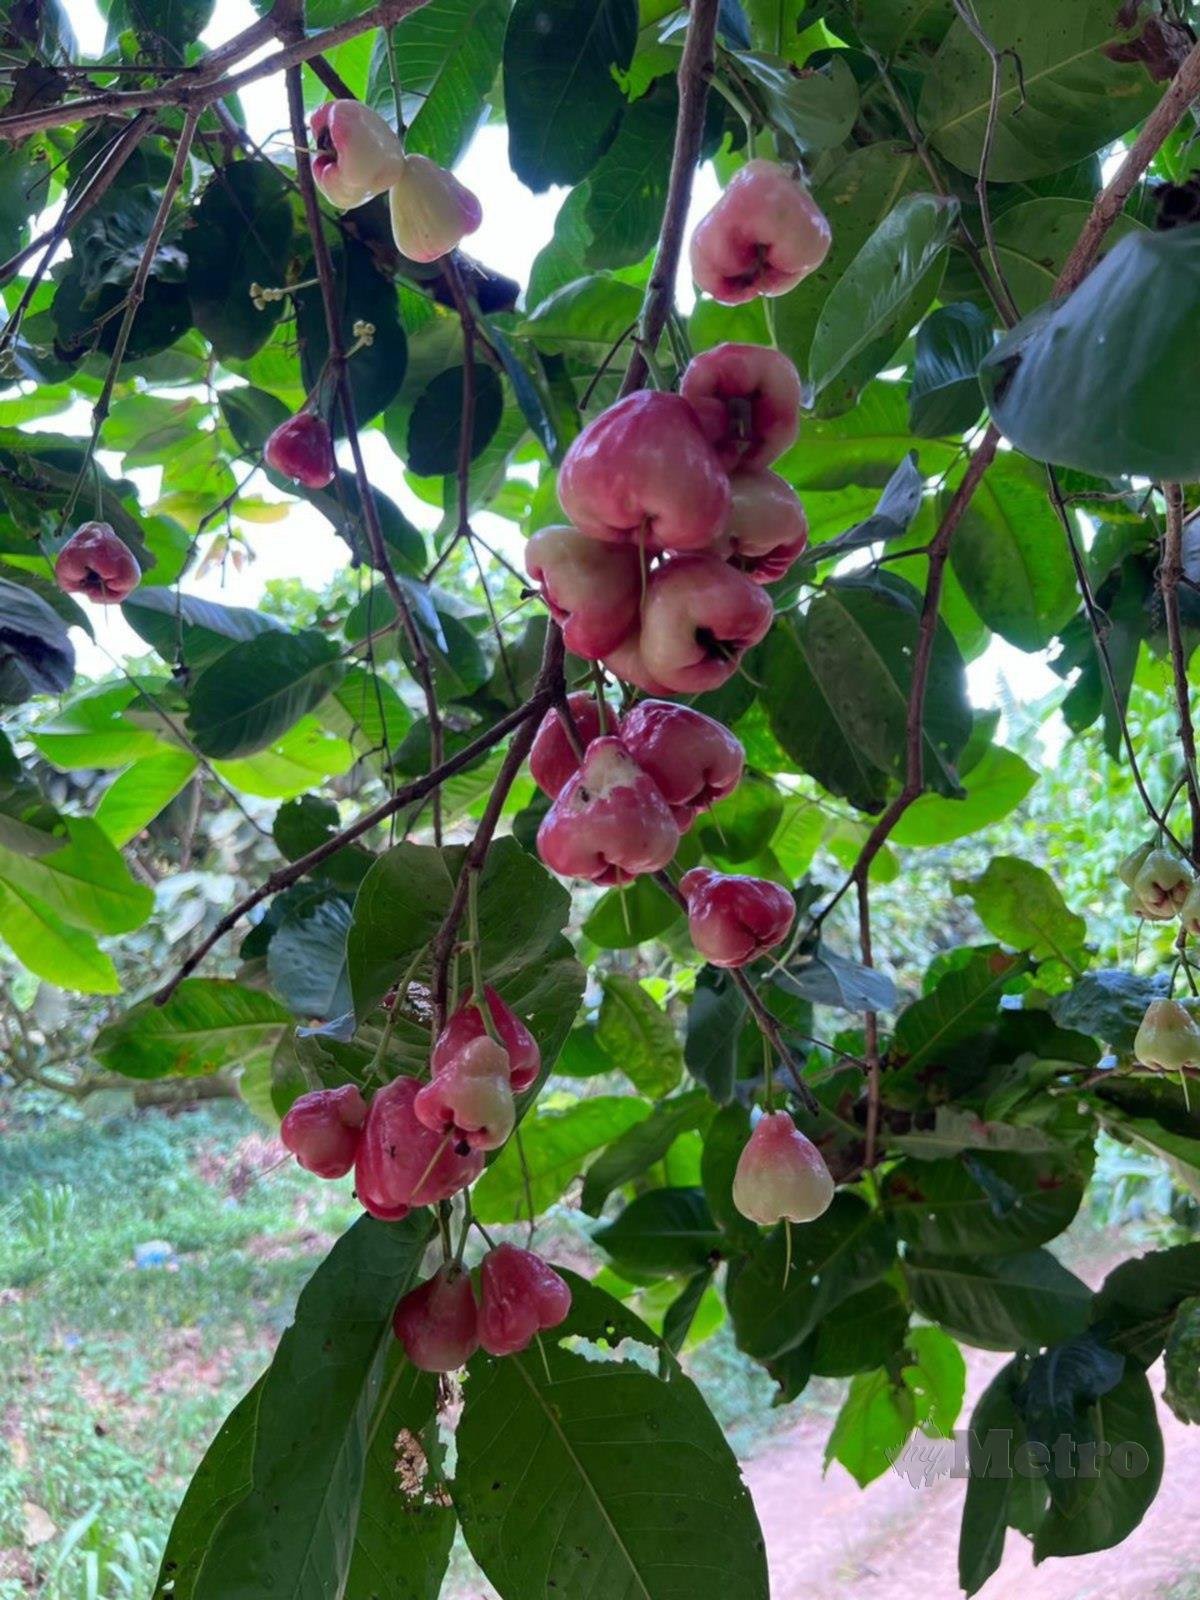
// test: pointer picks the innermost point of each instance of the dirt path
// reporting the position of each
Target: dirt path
(829, 1540)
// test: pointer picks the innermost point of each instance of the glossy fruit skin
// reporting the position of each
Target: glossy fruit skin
(699, 619)
(694, 760)
(593, 590)
(466, 1025)
(471, 1098)
(551, 759)
(519, 1295)
(643, 473)
(767, 528)
(322, 1129)
(431, 211)
(763, 236)
(302, 449)
(1133, 864)
(1162, 883)
(609, 823)
(747, 398)
(400, 1162)
(438, 1322)
(1189, 911)
(1168, 1038)
(96, 563)
(358, 154)
(732, 918)
(781, 1174)
(628, 662)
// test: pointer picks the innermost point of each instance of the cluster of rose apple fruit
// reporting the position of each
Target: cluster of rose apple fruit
(676, 524)
(1162, 886)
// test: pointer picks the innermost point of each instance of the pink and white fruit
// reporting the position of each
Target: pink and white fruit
(1168, 1038)
(358, 154)
(763, 236)
(747, 397)
(694, 760)
(471, 1098)
(609, 824)
(642, 473)
(431, 211)
(781, 1174)
(401, 1163)
(519, 1296)
(628, 662)
(322, 1129)
(733, 919)
(699, 619)
(466, 1025)
(767, 528)
(96, 563)
(438, 1322)
(593, 590)
(1162, 883)
(302, 449)
(552, 759)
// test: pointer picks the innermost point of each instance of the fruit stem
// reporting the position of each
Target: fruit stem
(478, 989)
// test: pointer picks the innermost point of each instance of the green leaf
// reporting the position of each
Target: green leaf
(662, 1232)
(1069, 99)
(1011, 557)
(988, 1204)
(315, 1455)
(400, 907)
(36, 656)
(876, 1418)
(962, 1003)
(561, 96)
(815, 110)
(241, 234)
(738, 828)
(630, 915)
(134, 799)
(208, 1025)
(865, 1331)
(715, 1020)
(183, 628)
(995, 787)
(435, 427)
(448, 53)
(256, 691)
(291, 765)
(886, 288)
(365, 295)
(306, 958)
(584, 318)
(81, 878)
(944, 395)
(1021, 905)
(847, 1249)
(628, 188)
(641, 1146)
(632, 1463)
(51, 948)
(1137, 1302)
(1033, 241)
(639, 1036)
(835, 683)
(985, 1508)
(1109, 1005)
(91, 730)
(999, 1303)
(555, 1144)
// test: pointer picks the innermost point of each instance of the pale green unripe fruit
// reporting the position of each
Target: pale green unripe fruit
(1133, 863)
(781, 1174)
(1168, 1037)
(1162, 883)
(1189, 911)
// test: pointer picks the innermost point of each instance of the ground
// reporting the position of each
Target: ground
(148, 1263)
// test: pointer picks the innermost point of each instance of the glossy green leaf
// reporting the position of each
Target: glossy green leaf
(639, 1036)
(243, 701)
(1002, 1302)
(555, 1144)
(208, 1025)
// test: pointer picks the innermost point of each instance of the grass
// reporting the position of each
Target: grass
(114, 1375)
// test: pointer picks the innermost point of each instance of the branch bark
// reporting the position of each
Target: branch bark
(1170, 572)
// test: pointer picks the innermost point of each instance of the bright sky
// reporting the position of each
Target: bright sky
(516, 224)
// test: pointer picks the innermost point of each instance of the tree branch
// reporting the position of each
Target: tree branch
(1169, 574)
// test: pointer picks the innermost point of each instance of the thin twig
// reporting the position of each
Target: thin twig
(1169, 574)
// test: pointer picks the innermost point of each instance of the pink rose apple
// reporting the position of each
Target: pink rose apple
(767, 526)
(747, 397)
(95, 563)
(781, 1174)
(694, 760)
(552, 760)
(358, 154)
(699, 619)
(302, 449)
(763, 236)
(471, 1099)
(519, 1295)
(609, 823)
(466, 1025)
(732, 919)
(643, 473)
(593, 590)
(322, 1129)
(628, 663)
(400, 1162)
(431, 211)
(438, 1323)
